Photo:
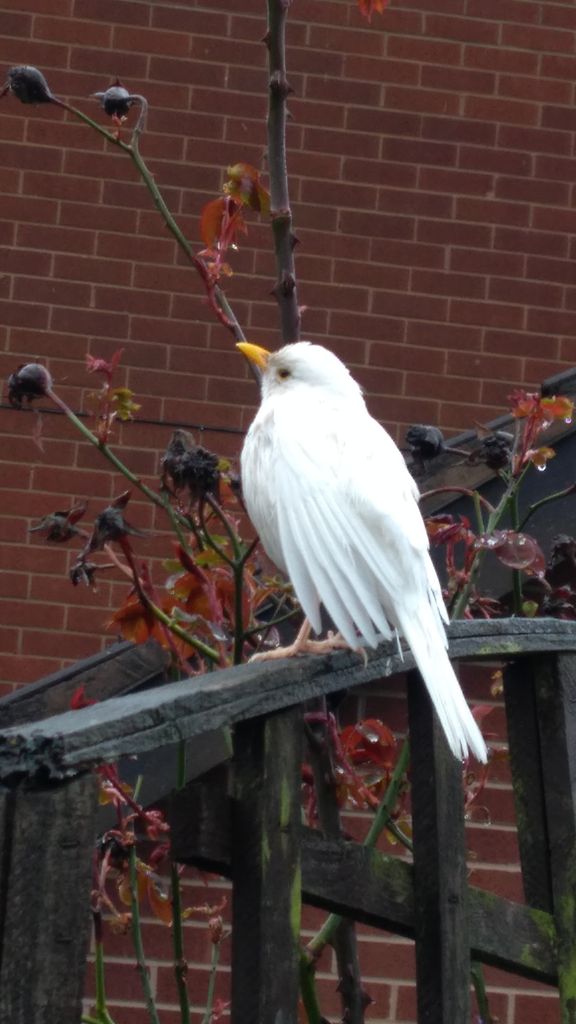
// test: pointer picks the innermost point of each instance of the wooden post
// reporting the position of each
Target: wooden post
(266, 869)
(45, 880)
(555, 685)
(440, 883)
(527, 780)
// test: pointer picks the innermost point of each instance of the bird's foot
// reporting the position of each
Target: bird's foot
(303, 645)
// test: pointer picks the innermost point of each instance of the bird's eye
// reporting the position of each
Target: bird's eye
(283, 374)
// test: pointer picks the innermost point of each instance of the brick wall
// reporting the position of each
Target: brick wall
(431, 158)
(432, 161)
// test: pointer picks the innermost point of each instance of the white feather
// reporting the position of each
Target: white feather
(336, 509)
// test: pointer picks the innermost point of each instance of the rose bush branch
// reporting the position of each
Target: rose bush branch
(284, 239)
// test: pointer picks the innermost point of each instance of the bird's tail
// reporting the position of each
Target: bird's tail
(424, 633)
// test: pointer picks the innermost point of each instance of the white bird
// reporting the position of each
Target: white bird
(336, 509)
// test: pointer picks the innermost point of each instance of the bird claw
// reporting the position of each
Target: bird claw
(303, 645)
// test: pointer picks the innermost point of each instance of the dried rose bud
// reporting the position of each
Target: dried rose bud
(116, 101)
(29, 85)
(495, 450)
(425, 442)
(29, 382)
(188, 465)
(84, 572)
(111, 525)
(59, 527)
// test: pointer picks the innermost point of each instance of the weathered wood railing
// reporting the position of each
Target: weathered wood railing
(244, 820)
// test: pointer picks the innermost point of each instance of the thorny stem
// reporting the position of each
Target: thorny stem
(108, 453)
(477, 973)
(458, 606)
(216, 296)
(380, 822)
(478, 501)
(284, 240)
(141, 965)
(214, 961)
(343, 940)
(308, 989)
(180, 965)
(100, 1008)
(466, 491)
(516, 578)
(545, 501)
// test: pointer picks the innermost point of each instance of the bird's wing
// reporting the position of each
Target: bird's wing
(347, 519)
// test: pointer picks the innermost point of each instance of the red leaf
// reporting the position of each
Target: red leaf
(368, 7)
(79, 699)
(211, 222)
(244, 186)
(516, 550)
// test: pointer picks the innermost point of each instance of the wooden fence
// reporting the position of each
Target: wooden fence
(243, 819)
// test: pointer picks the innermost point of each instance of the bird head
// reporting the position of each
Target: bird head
(300, 364)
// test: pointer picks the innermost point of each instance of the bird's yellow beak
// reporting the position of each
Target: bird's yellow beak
(255, 353)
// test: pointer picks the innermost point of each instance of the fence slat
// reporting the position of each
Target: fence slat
(44, 901)
(375, 888)
(556, 702)
(527, 781)
(440, 872)
(266, 869)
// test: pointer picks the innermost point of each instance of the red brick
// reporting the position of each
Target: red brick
(528, 37)
(420, 152)
(533, 1009)
(520, 344)
(526, 241)
(486, 313)
(72, 31)
(497, 58)
(492, 211)
(105, 63)
(131, 300)
(555, 321)
(503, 110)
(347, 40)
(550, 219)
(462, 80)
(529, 293)
(424, 50)
(52, 292)
(519, 11)
(24, 261)
(424, 101)
(53, 238)
(113, 11)
(556, 66)
(464, 29)
(455, 232)
(24, 314)
(447, 389)
(479, 261)
(449, 129)
(406, 253)
(380, 69)
(417, 307)
(532, 191)
(541, 90)
(443, 283)
(418, 203)
(535, 139)
(454, 181)
(26, 670)
(444, 336)
(561, 118)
